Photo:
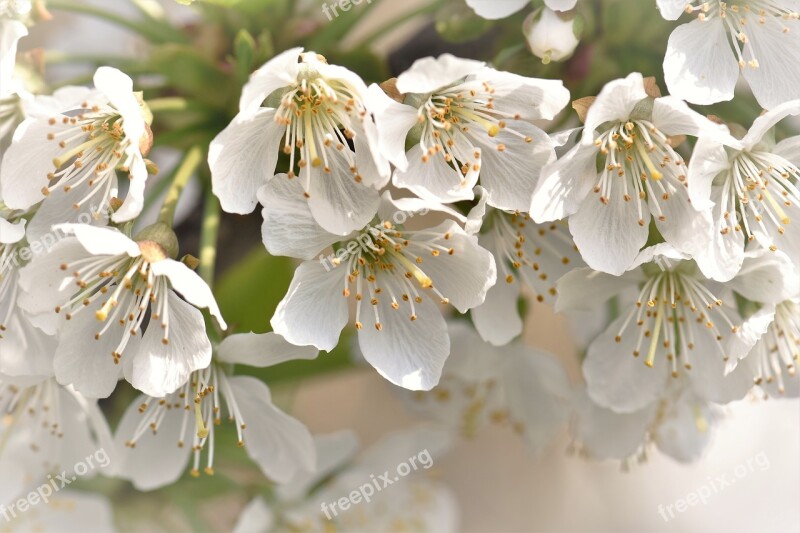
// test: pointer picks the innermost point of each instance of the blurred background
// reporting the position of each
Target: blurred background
(499, 485)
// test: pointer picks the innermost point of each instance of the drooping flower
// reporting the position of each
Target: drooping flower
(482, 385)
(627, 136)
(47, 429)
(13, 14)
(754, 37)
(550, 37)
(498, 9)
(526, 253)
(114, 302)
(396, 276)
(158, 436)
(70, 159)
(471, 122)
(751, 188)
(677, 326)
(316, 114)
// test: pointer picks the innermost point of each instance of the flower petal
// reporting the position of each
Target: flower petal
(615, 102)
(497, 9)
(564, 184)
(261, 350)
(101, 241)
(191, 286)
(280, 71)
(432, 178)
(774, 43)
(497, 318)
(394, 121)
(428, 74)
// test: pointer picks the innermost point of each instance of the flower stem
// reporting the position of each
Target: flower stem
(190, 162)
(171, 103)
(208, 238)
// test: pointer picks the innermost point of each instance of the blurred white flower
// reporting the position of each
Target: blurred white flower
(68, 510)
(396, 276)
(627, 136)
(676, 326)
(468, 121)
(550, 37)
(498, 9)
(482, 384)
(316, 114)
(758, 38)
(751, 188)
(46, 429)
(157, 437)
(98, 288)
(13, 14)
(70, 159)
(525, 252)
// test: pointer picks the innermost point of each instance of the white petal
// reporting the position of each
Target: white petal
(242, 157)
(673, 117)
(564, 184)
(394, 121)
(700, 66)
(409, 353)
(497, 9)
(85, 362)
(766, 277)
(685, 432)
(672, 9)
(434, 178)
(615, 101)
(708, 376)
(257, 517)
(608, 235)
(685, 228)
(789, 149)
(58, 208)
(11, 232)
(400, 210)
(261, 350)
(511, 176)
(289, 228)
(279, 444)
(529, 98)
(428, 74)
(101, 241)
(11, 31)
(585, 289)
(497, 318)
(338, 202)
(191, 286)
(767, 121)
(158, 369)
(775, 44)
(605, 434)
(280, 71)
(157, 460)
(560, 5)
(722, 259)
(742, 342)
(134, 199)
(314, 311)
(117, 87)
(615, 378)
(708, 160)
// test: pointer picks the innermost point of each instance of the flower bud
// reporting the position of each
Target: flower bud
(550, 37)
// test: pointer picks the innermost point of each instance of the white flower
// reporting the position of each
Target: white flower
(70, 159)
(396, 276)
(536, 255)
(483, 384)
(550, 37)
(468, 121)
(679, 424)
(751, 188)
(313, 112)
(113, 300)
(12, 28)
(676, 326)
(46, 429)
(157, 437)
(757, 37)
(24, 349)
(67, 510)
(626, 135)
(498, 9)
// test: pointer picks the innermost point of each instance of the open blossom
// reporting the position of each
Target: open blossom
(526, 253)
(70, 159)
(396, 276)
(316, 114)
(46, 429)
(751, 188)
(498, 9)
(627, 136)
(12, 28)
(482, 384)
(677, 326)
(754, 37)
(114, 304)
(471, 122)
(157, 437)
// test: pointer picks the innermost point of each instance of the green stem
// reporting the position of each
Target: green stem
(384, 29)
(172, 103)
(208, 238)
(159, 33)
(190, 162)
